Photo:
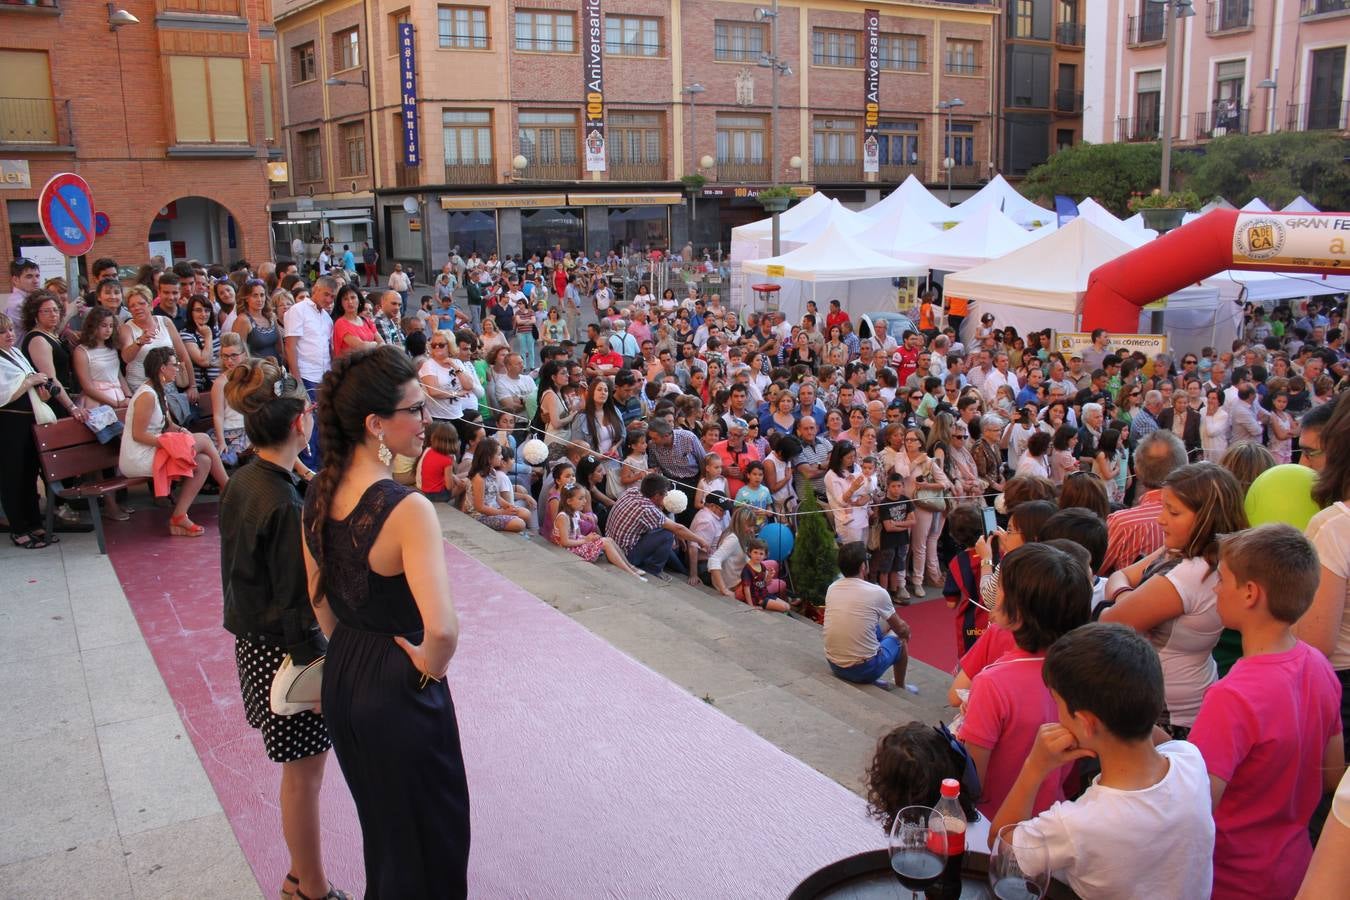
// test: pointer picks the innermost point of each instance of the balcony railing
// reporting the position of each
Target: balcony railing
(1070, 34)
(966, 174)
(35, 122)
(743, 171)
(1136, 129)
(1220, 121)
(52, 7)
(637, 171)
(1145, 29)
(1228, 15)
(1324, 116)
(1323, 7)
(469, 173)
(898, 172)
(552, 171)
(1070, 102)
(837, 170)
(953, 67)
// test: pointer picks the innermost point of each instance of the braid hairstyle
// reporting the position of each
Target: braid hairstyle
(359, 383)
(155, 361)
(268, 399)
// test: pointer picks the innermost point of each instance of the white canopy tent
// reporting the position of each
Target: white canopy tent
(1256, 204)
(834, 215)
(912, 197)
(1268, 287)
(1131, 231)
(988, 234)
(1004, 197)
(860, 277)
(744, 237)
(1300, 204)
(904, 228)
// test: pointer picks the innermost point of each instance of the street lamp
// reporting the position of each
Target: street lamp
(693, 90)
(948, 162)
(1272, 85)
(1172, 9)
(117, 17)
(777, 66)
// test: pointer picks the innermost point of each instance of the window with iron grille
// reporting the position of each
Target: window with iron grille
(960, 144)
(462, 27)
(834, 141)
(545, 32)
(347, 49)
(632, 36)
(739, 41)
(352, 137)
(833, 47)
(898, 142)
(741, 139)
(963, 57)
(468, 137)
(548, 138)
(900, 52)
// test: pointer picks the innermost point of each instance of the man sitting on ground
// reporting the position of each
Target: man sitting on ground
(858, 614)
(638, 524)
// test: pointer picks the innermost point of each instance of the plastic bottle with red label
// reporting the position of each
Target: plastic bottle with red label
(954, 820)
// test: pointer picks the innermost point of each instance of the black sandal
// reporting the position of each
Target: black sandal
(333, 894)
(287, 892)
(29, 541)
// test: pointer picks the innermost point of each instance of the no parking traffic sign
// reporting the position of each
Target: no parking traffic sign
(66, 213)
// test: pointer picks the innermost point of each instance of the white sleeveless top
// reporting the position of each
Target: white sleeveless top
(137, 460)
(163, 338)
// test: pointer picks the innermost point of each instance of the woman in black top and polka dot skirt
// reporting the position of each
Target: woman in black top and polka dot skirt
(266, 601)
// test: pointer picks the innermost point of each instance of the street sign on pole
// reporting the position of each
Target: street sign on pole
(66, 213)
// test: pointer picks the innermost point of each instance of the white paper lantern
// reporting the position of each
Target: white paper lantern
(676, 502)
(535, 451)
(1000, 506)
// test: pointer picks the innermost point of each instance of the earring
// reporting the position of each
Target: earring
(384, 453)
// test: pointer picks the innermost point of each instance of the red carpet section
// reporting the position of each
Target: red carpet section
(590, 774)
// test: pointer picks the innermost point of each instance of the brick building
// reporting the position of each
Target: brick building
(501, 104)
(1043, 80)
(171, 121)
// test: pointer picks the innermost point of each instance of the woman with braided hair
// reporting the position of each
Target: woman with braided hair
(381, 593)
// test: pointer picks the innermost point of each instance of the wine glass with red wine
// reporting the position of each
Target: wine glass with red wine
(918, 847)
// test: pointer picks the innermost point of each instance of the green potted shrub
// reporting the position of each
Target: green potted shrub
(775, 199)
(1163, 212)
(814, 561)
(693, 183)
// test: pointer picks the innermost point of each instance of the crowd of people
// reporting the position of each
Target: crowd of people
(1127, 642)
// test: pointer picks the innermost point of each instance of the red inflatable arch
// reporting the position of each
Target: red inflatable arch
(1220, 240)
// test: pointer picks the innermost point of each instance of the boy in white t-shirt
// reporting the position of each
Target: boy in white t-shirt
(1143, 828)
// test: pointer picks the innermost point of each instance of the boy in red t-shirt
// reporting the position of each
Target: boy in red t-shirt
(1269, 730)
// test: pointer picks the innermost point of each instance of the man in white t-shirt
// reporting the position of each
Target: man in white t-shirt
(514, 391)
(309, 342)
(858, 614)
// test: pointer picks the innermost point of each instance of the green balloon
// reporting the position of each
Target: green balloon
(1282, 494)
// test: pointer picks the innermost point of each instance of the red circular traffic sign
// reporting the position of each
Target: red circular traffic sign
(66, 213)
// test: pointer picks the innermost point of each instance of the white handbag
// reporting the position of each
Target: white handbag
(295, 689)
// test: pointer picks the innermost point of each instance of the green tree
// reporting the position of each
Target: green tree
(1109, 173)
(814, 559)
(1275, 167)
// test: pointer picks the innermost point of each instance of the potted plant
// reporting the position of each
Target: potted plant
(774, 199)
(1163, 212)
(693, 183)
(814, 560)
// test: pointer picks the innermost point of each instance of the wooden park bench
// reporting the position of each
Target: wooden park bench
(68, 450)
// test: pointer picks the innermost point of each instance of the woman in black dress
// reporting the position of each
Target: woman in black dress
(381, 592)
(267, 609)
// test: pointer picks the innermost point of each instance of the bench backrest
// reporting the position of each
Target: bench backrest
(67, 449)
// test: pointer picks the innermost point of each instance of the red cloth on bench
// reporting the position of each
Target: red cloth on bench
(175, 457)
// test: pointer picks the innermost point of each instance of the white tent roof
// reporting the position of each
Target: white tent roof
(1135, 234)
(987, 234)
(1269, 286)
(836, 213)
(1050, 274)
(1256, 204)
(800, 214)
(911, 196)
(1216, 203)
(904, 228)
(834, 256)
(1002, 196)
(1300, 204)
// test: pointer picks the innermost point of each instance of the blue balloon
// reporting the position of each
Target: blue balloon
(779, 539)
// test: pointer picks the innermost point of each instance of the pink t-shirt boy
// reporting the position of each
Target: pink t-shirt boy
(1270, 730)
(1043, 593)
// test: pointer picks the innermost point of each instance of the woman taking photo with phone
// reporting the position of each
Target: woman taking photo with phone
(266, 602)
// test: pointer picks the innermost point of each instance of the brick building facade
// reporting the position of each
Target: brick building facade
(501, 105)
(170, 120)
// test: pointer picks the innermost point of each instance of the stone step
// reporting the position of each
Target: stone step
(765, 670)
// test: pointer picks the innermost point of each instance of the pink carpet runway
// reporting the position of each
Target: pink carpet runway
(590, 774)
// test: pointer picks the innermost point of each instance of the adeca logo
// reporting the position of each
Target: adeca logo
(1259, 239)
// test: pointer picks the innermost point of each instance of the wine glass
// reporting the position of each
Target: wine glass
(918, 847)
(1019, 867)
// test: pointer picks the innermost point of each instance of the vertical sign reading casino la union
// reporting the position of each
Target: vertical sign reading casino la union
(407, 77)
(871, 90)
(593, 78)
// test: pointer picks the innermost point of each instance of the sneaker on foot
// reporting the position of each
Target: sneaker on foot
(912, 688)
(884, 685)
